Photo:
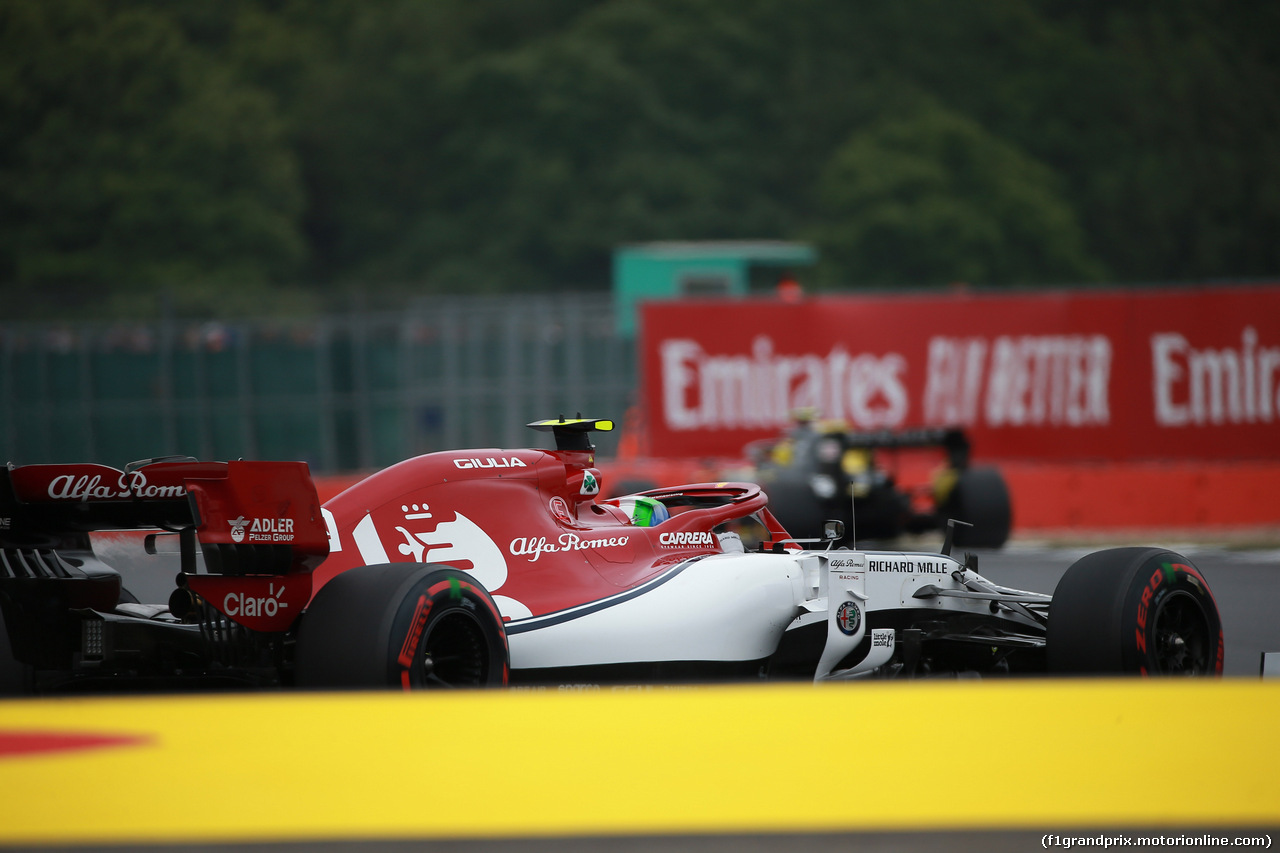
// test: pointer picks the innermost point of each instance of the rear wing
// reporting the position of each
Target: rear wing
(248, 517)
(951, 439)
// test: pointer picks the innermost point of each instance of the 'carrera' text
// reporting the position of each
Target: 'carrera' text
(702, 538)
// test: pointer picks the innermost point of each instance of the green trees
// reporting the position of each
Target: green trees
(934, 197)
(132, 167)
(259, 155)
(1187, 181)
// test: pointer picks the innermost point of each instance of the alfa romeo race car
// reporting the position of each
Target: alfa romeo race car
(496, 567)
(822, 469)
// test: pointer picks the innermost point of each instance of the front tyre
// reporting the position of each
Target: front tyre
(404, 625)
(1142, 611)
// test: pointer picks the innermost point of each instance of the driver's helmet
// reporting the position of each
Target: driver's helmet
(643, 511)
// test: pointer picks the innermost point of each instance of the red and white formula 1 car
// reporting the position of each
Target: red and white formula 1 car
(492, 567)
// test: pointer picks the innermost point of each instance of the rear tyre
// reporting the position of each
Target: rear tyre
(1139, 611)
(402, 625)
(980, 498)
(797, 508)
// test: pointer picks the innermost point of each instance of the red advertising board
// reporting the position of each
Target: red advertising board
(1167, 374)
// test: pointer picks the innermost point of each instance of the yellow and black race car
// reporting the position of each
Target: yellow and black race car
(823, 470)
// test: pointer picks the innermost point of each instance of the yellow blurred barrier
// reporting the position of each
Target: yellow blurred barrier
(1045, 755)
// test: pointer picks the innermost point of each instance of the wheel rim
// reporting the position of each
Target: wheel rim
(1182, 641)
(454, 652)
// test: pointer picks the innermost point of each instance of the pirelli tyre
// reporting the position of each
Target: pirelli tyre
(401, 625)
(980, 498)
(1142, 611)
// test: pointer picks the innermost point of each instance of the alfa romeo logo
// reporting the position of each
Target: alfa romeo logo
(849, 618)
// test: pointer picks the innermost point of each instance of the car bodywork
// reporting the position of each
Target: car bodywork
(243, 539)
(507, 559)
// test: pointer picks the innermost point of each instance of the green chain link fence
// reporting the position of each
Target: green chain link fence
(347, 393)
